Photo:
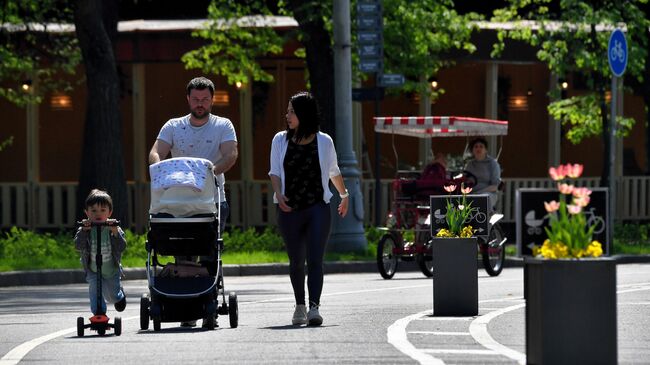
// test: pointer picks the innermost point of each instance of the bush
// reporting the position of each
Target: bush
(24, 249)
(249, 240)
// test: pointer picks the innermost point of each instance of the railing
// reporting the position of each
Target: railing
(251, 203)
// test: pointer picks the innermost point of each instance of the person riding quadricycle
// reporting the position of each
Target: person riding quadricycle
(407, 234)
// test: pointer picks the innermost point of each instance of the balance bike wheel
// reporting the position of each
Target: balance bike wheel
(118, 326)
(80, 326)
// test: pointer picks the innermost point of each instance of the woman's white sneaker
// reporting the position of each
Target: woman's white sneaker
(313, 317)
(299, 315)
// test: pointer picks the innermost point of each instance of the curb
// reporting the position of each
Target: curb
(74, 276)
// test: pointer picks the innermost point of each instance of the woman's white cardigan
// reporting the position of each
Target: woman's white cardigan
(326, 156)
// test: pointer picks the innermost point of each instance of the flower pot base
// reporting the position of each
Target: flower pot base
(455, 277)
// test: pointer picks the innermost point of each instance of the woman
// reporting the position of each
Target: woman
(303, 161)
(486, 170)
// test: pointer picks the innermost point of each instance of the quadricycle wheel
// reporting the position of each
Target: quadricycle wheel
(386, 258)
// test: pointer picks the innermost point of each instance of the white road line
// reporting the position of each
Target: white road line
(396, 334)
(633, 303)
(460, 352)
(17, 353)
(640, 288)
(439, 333)
(430, 318)
(478, 330)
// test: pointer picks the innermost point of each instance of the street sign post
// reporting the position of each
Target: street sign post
(617, 56)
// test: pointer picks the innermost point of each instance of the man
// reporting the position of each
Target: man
(200, 134)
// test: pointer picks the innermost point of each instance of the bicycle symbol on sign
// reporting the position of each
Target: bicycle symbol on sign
(617, 53)
(477, 216)
(535, 224)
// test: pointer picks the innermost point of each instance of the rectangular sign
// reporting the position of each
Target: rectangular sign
(369, 22)
(368, 7)
(369, 37)
(388, 80)
(479, 219)
(368, 93)
(371, 65)
(532, 218)
(370, 51)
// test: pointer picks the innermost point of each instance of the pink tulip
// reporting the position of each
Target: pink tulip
(466, 190)
(450, 188)
(574, 209)
(557, 173)
(574, 171)
(565, 188)
(582, 201)
(552, 206)
(580, 192)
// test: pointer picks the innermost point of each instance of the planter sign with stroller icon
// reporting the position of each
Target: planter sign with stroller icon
(532, 218)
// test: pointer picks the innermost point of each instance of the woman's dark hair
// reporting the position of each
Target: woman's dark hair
(306, 109)
(478, 140)
(99, 197)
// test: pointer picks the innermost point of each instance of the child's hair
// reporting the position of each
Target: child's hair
(99, 197)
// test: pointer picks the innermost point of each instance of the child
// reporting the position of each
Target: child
(99, 207)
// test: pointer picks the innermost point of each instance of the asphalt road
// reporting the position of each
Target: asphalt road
(367, 320)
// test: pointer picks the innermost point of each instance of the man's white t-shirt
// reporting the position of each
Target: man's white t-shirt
(203, 142)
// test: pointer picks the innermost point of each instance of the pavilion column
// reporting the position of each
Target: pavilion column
(425, 154)
(554, 130)
(140, 157)
(491, 101)
(245, 144)
(33, 158)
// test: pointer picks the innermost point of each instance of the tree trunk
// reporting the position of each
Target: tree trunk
(102, 162)
(320, 61)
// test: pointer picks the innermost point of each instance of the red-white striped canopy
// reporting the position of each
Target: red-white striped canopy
(427, 127)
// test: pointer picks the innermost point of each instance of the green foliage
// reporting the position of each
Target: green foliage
(22, 249)
(6, 143)
(235, 41)
(418, 36)
(582, 114)
(249, 240)
(34, 48)
(574, 39)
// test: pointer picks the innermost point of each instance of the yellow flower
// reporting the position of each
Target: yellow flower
(467, 232)
(444, 233)
(594, 249)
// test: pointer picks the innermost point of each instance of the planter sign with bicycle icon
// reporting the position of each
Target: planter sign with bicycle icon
(478, 219)
(532, 218)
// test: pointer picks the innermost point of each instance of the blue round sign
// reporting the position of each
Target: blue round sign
(617, 52)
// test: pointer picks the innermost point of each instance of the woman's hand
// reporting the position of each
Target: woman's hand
(343, 206)
(282, 203)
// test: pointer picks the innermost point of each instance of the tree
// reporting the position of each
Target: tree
(102, 163)
(410, 48)
(35, 49)
(572, 37)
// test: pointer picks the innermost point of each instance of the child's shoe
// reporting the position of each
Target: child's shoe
(119, 306)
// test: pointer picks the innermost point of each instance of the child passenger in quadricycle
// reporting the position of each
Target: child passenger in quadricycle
(99, 207)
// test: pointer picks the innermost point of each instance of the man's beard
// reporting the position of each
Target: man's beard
(200, 116)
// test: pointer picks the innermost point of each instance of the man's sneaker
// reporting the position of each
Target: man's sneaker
(119, 306)
(188, 324)
(299, 315)
(313, 317)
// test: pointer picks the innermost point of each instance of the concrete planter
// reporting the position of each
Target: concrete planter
(570, 311)
(455, 277)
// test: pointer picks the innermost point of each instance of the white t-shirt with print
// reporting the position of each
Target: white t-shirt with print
(203, 142)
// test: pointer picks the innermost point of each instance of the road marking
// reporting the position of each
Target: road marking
(396, 334)
(18, 353)
(633, 303)
(439, 333)
(639, 288)
(459, 352)
(478, 330)
(433, 318)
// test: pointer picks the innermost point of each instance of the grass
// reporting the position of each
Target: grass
(26, 250)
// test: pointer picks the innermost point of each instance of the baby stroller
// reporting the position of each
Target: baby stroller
(184, 222)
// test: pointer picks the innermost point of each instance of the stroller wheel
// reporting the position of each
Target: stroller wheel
(144, 312)
(233, 310)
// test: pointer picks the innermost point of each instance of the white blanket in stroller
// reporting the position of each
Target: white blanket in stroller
(182, 187)
(181, 171)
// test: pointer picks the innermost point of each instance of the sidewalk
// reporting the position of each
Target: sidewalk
(72, 276)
